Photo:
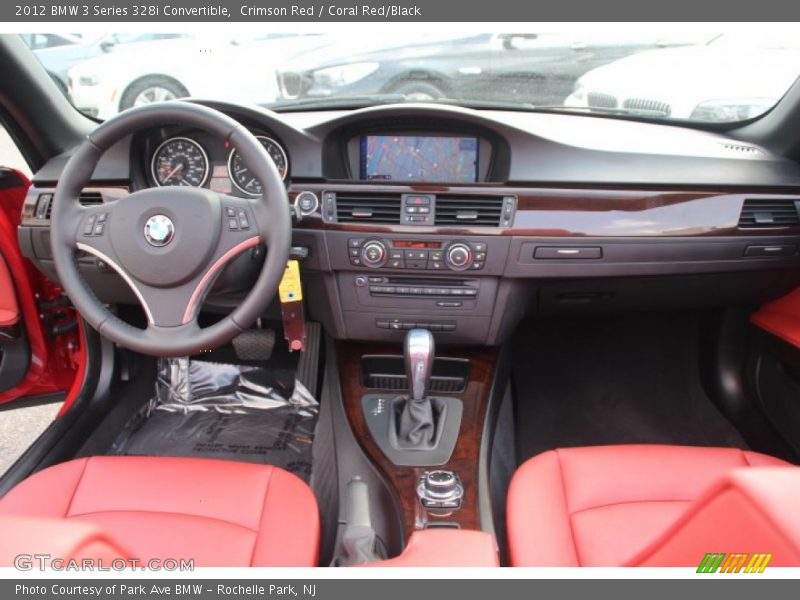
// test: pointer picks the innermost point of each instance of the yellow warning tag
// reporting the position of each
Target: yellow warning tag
(289, 289)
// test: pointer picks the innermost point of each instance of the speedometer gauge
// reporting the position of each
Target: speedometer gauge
(244, 179)
(180, 161)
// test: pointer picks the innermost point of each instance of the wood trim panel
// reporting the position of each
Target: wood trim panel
(576, 212)
(464, 461)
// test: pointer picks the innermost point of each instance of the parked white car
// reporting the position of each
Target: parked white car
(58, 53)
(169, 69)
(731, 78)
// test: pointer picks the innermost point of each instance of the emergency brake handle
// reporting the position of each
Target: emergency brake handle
(359, 542)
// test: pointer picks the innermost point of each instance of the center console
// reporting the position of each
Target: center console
(435, 478)
(389, 284)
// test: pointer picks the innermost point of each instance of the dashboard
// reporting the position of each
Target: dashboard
(465, 220)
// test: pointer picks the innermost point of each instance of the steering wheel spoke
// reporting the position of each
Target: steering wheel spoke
(239, 234)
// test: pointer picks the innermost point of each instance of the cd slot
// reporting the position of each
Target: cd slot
(422, 286)
(428, 281)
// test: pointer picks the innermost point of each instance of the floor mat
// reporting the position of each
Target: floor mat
(613, 380)
(226, 411)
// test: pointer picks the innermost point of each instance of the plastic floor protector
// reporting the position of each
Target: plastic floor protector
(231, 412)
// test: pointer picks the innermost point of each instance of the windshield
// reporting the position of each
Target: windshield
(665, 74)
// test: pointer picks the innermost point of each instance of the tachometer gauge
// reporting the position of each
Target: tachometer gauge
(180, 161)
(244, 179)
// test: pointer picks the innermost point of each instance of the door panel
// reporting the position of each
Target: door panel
(9, 309)
(15, 353)
(40, 352)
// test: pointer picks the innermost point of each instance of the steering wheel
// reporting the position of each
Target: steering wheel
(170, 243)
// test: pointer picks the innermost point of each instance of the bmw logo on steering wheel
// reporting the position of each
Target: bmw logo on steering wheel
(159, 230)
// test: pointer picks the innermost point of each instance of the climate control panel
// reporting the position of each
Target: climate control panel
(428, 255)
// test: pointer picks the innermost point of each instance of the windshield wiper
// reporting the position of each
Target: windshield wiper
(637, 112)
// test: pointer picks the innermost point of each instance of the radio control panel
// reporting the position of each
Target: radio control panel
(427, 255)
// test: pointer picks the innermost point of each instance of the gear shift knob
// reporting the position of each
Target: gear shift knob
(418, 352)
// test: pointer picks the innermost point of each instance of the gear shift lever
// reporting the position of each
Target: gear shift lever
(418, 354)
(415, 429)
(416, 426)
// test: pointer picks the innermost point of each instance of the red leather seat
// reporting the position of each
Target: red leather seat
(219, 513)
(651, 505)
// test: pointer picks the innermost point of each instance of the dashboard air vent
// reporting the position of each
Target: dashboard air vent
(770, 212)
(86, 198)
(359, 207)
(469, 210)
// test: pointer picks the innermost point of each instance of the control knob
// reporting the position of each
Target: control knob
(440, 490)
(459, 256)
(374, 253)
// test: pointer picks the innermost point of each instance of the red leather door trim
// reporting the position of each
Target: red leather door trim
(9, 309)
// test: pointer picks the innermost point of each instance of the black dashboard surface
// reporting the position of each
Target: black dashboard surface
(530, 147)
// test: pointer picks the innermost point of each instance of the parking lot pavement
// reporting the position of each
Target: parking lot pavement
(20, 427)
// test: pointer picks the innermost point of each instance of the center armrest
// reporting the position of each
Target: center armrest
(446, 548)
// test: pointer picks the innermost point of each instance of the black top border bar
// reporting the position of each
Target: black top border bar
(485, 11)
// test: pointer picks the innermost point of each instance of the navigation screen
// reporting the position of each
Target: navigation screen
(419, 158)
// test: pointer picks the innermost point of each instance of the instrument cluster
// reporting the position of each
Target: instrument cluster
(199, 159)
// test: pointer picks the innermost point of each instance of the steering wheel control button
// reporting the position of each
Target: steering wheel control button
(243, 222)
(159, 230)
(95, 225)
(374, 253)
(88, 227)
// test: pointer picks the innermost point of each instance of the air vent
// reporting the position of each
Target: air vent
(769, 212)
(86, 199)
(353, 207)
(469, 210)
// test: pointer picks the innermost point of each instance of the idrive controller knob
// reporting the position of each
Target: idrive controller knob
(440, 490)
